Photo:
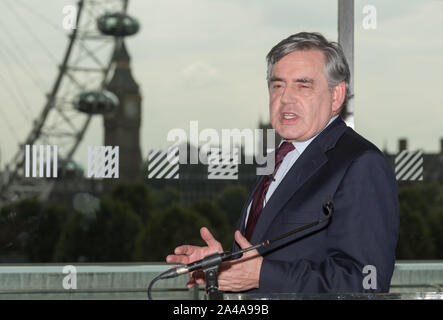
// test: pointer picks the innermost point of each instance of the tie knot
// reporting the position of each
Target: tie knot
(284, 149)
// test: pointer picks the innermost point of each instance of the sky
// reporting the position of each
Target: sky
(204, 60)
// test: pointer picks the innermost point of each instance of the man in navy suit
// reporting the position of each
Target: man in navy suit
(308, 80)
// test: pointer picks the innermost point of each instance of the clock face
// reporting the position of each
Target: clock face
(131, 109)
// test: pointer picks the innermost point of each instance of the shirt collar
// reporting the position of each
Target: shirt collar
(302, 145)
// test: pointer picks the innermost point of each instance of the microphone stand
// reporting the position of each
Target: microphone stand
(210, 266)
(211, 263)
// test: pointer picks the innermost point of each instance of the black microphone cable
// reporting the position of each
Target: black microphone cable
(151, 284)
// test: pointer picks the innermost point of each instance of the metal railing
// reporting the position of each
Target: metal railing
(130, 281)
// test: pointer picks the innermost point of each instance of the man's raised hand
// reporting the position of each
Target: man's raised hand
(186, 254)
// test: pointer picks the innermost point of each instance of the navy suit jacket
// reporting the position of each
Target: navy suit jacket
(362, 231)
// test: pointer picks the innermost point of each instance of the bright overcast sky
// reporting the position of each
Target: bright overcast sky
(205, 60)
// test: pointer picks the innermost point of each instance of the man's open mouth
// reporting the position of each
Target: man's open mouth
(289, 116)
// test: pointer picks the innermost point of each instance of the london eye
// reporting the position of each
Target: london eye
(78, 91)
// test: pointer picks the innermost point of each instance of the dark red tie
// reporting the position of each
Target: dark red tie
(260, 194)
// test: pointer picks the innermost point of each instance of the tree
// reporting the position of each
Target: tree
(110, 237)
(73, 244)
(167, 229)
(115, 230)
(417, 235)
(31, 228)
(136, 196)
(231, 201)
(17, 221)
(42, 243)
(436, 229)
(415, 238)
(163, 198)
(219, 225)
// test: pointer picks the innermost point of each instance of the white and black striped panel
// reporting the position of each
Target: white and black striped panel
(41, 161)
(222, 165)
(409, 166)
(163, 164)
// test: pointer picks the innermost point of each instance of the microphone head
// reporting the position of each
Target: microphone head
(328, 205)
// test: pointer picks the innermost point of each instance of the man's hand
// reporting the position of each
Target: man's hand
(187, 254)
(236, 275)
(241, 274)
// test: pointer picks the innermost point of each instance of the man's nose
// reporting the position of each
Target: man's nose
(288, 96)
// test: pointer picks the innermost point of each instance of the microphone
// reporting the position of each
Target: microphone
(209, 260)
(217, 258)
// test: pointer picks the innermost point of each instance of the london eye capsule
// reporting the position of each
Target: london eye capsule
(96, 102)
(118, 24)
(70, 169)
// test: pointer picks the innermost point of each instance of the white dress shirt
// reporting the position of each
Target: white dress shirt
(287, 163)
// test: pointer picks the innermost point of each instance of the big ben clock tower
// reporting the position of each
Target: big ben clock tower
(122, 126)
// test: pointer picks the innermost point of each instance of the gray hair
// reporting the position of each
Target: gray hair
(336, 66)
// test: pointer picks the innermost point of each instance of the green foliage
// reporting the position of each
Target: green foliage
(421, 222)
(231, 200)
(136, 196)
(173, 225)
(115, 231)
(164, 197)
(219, 225)
(415, 240)
(109, 237)
(436, 230)
(167, 229)
(41, 244)
(72, 245)
(31, 228)
(17, 221)
(138, 223)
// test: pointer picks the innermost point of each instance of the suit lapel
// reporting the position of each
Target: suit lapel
(309, 162)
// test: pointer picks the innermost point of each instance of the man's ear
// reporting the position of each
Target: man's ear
(338, 97)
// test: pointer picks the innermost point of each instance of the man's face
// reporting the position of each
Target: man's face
(300, 102)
